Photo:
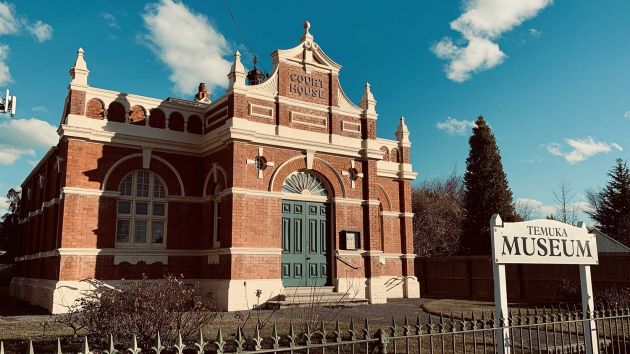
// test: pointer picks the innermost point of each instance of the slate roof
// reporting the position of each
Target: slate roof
(606, 244)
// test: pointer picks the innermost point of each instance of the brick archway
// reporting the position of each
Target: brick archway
(133, 162)
(320, 167)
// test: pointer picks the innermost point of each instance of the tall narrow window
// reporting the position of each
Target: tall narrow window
(216, 217)
(141, 211)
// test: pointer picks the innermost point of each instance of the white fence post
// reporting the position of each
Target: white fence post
(591, 341)
(500, 293)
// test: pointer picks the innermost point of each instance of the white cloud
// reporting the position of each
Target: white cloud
(582, 149)
(534, 33)
(39, 109)
(40, 30)
(21, 137)
(12, 23)
(480, 24)
(5, 73)
(10, 154)
(9, 23)
(542, 210)
(111, 20)
(626, 114)
(192, 48)
(4, 206)
(456, 127)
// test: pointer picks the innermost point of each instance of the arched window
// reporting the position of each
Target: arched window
(116, 112)
(95, 109)
(138, 115)
(385, 153)
(304, 183)
(141, 211)
(194, 125)
(394, 155)
(176, 122)
(157, 119)
(216, 220)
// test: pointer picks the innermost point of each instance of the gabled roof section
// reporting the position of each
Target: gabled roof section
(308, 54)
(606, 244)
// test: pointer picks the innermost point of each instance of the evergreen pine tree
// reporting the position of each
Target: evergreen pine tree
(486, 190)
(612, 209)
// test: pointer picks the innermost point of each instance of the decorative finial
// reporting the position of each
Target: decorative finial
(307, 37)
(402, 133)
(237, 73)
(79, 71)
(255, 61)
(368, 103)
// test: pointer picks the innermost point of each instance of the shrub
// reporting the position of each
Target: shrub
(569, 291)
(143, 307)
(613, 298)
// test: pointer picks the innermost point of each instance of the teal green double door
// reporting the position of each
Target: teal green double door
(305, 243)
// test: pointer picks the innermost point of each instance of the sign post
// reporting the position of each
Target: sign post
(542, 242)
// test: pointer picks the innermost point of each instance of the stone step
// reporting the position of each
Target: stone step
(308, 296)
(281, 304)
(325, 297)
(309, 290)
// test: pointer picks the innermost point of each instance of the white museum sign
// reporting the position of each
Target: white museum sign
(541, 242)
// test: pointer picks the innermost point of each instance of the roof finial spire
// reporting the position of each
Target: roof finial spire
(368, 103)
(402, 133)
(79, 71)
(307, 37)
(237, 73)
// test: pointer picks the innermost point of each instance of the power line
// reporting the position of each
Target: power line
(239, 28)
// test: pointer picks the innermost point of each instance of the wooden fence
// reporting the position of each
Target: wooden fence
(470, 277)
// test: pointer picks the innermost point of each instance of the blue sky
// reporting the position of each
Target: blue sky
(551, 78)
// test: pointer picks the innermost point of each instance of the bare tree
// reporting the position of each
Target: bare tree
(439, 212)
(567, 211)
(525, 209)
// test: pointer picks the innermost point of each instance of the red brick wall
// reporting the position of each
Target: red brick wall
(77, 102)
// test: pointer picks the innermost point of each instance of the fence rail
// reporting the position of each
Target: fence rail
(531, 331)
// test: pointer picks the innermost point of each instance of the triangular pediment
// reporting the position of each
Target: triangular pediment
(307, 54)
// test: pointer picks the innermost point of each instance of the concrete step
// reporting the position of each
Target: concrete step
(281, 304)
(309, 290)
(325, 297)
(309, 296)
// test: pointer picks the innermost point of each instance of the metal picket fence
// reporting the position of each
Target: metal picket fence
(532, 331)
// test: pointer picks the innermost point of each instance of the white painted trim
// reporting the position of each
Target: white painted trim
(137, 258)
(294, 119)
(305, 197)
(89, 192)
(40, 210)
(251, 107)
(396, 214)
(279, 168)
(251, 192)
(137, 251)
(212, 172)
(348, 201)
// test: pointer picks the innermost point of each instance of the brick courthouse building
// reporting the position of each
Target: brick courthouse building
(279, 183)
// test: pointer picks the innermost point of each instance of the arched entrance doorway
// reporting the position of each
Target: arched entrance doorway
(305, 230)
